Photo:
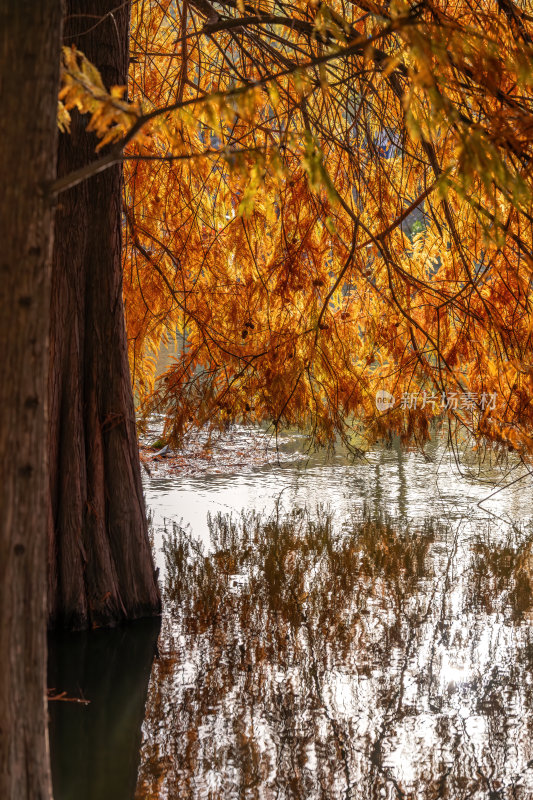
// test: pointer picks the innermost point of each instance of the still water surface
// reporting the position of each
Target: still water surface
(326, 654)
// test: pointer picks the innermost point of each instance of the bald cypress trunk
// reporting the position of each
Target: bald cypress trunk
(100, 563)
(30, 37)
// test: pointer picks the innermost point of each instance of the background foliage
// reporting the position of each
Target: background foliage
(325, 200)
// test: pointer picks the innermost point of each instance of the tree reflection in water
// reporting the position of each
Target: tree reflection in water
(95, 747)
(297, 661)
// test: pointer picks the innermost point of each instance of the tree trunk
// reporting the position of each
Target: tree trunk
(100, 563)
(30, 38)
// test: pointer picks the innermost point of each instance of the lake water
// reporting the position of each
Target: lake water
(376, 645)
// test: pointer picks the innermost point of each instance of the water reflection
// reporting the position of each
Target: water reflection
(264, 472)
(95, 747)
(301, 660)
(320, 657)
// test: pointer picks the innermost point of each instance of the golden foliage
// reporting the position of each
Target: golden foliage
(82, 88)
(326, 201)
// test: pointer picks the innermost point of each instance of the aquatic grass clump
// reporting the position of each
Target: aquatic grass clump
(292, 558)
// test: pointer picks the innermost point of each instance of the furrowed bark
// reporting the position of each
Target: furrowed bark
(30, 38)
(100, 563)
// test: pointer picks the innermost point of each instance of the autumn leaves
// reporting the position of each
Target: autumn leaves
(268, 225)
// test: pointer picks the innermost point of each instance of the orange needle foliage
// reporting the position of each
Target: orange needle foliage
(327, 200)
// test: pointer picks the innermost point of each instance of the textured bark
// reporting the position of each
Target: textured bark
(100, 563)
(30, 36)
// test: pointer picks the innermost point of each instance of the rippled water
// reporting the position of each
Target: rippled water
(328, 654)
(248, 470)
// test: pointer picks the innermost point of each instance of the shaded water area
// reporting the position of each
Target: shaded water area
(377, 647)
(95, 729)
